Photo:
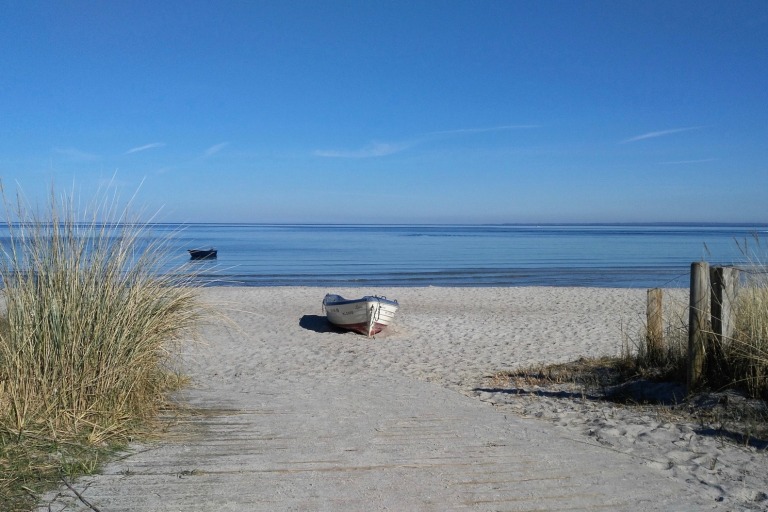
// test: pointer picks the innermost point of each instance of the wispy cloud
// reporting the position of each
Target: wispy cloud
(378, 149)
(466, 131)
(215, 149)
(145, 147)
(685, 162)
(661, 133)
(76, 154)
(374, 149)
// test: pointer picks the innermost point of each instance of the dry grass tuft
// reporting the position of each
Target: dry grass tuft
(746, 355)
(87, 330)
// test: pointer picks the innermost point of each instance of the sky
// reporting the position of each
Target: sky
(391, 111)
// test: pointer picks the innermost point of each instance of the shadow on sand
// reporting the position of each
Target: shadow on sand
(317, 323)
(663, 396)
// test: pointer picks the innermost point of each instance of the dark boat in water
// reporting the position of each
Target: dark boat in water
(202, 254)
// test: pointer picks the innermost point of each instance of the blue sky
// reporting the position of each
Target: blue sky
(390, 111)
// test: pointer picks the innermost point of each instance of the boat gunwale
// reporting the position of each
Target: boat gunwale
(366, 298)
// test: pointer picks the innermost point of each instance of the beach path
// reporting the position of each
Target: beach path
(287, 414)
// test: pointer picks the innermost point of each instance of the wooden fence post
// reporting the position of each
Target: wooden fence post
(698, 323)
(655, 322)
(725, 286)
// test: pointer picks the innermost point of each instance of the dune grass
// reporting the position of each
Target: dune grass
(88, 328)
(747, 352)
(737, 362)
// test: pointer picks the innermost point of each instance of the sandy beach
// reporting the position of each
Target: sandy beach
(291, 414)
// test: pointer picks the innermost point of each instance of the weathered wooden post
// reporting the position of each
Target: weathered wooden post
(698, 320)
(725, 287)
(655, 325)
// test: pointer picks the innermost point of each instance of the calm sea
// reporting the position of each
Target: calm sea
(461, 255)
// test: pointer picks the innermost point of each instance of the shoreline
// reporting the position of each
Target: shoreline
(279, 354)
(578, 277)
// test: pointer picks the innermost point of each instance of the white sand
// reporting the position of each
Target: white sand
(302, 417)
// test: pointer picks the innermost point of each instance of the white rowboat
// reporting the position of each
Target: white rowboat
(368, 315)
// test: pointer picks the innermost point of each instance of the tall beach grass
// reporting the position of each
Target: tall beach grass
(739, 361)
(88, 328)
(747, 353)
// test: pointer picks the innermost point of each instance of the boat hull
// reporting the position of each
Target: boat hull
(368, 315)
(202, 254)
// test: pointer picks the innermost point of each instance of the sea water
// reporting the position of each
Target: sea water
(461, 255)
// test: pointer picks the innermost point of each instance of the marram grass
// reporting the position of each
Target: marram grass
(88, 328)
(737, 362)
(748, 352)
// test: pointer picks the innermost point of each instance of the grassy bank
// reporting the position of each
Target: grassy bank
(87, 331)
